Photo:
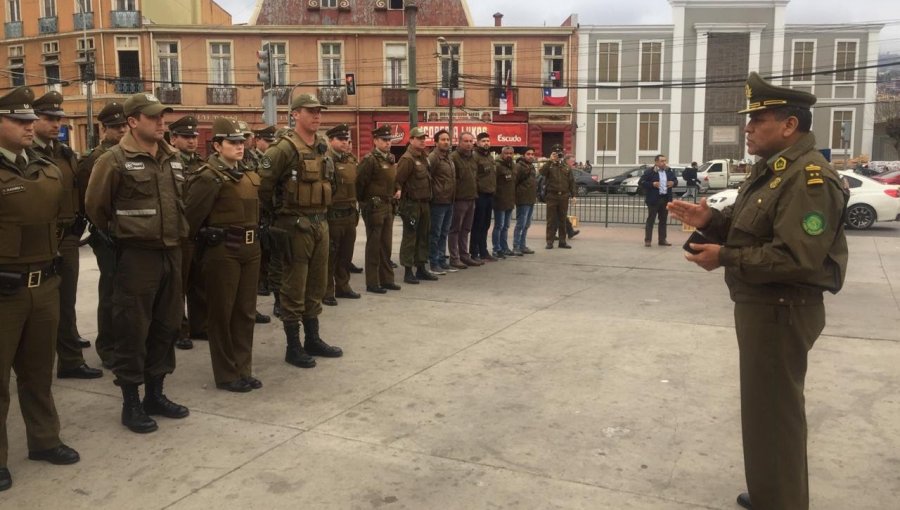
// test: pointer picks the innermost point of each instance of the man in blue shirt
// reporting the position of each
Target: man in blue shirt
(658, 182)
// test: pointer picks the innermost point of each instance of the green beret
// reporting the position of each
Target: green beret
(16, 104)
(49, 104)
(762, 95)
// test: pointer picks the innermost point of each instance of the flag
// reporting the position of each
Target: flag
(507, 102)
(459, 97)
(556, 97)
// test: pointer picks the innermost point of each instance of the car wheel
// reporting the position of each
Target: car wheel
(860, 216)
(581, 190)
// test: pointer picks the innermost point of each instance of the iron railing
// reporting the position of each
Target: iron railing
(221, 95)
(83, 20)
(607, 208)
(48, 25)
(332, 95)
(125, 19)
(12, 29)
(129, 85)
(169, 95)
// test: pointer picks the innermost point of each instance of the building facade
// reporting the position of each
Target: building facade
(674, 89)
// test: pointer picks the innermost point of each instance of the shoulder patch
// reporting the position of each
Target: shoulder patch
(814, 175)
(814, 223)
(780, 164)
(775, 182)
(265, 162)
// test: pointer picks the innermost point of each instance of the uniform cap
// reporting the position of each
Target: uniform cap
(416, 132)
(245, 128)
(145, 103)
(17, 104)
(227, 129)
(49, 104)
(185, 126)
(383, 132)
(267, 133)
(112, 114)
(762, 95)
(306, 101)
(339, 131)
(556, 148)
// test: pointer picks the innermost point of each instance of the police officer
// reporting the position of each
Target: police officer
(487, 183)
(560, 186)
(414, 182)
(782, 246)
(343, 216)
(376, 191)
(33, 199)
(135, 196)
(70, 361)
(296, 175)
(114, 126)
(251, 158)
(264, 138)
(184, 136)
(222, 207)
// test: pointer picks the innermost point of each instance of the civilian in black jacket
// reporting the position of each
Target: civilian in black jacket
(658, 182)
(690, 180)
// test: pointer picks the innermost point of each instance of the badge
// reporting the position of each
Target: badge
(12, 189)
(780, 164)
(134, 165)
(814, 223)
(266, 162)
(775, 182)
(748, 91)
(178, 166)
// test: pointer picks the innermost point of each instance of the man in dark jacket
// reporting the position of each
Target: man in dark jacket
(443, 186)
(690, 180)
(658, 182)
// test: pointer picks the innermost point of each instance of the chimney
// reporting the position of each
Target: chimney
(498, 19)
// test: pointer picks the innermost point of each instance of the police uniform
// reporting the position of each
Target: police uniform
(296, 176)
(251, 157)
(375, 185)
(33, 198)
(783, 246)
(560, 186)
(70, 361)
(111, 115)
(414, 181)
(222, 207)
(486, 181)
(343, 217)
(136, 197)
(268, 262)
(194, 294)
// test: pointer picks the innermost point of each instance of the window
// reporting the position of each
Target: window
(842, 130)
(329, 4)
(16, 66)
(608, 62)
(167, 51)
(553, 65)
(84, 6)
(648, 131)
(651, 61)
(607, 127)
(220, 63)
(13, 11)
(450, 66)
(395, 65)
(48, 8)
(50, 61)
(84, 49)
(126, 5)
(395, 5)
(332, 71)
(804, 54)
(278, 51)
(845, 58)
(503, 64)
(50, 47)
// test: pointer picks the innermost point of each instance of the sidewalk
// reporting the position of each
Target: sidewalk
(602, 377)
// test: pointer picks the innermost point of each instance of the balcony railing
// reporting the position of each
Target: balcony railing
(495, 96)
(129, 85)
(221, 95)
(12, 30)
(83, 20)
(394, 97)
(169, 95)
(125, 19)
(48, 25)
(282, 95)
(332, 95)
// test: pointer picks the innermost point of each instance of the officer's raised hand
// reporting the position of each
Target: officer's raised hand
(696, 215)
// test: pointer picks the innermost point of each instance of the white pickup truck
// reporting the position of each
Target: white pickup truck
(721, 174)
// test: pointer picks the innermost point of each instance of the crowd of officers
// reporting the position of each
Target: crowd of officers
(266, 212)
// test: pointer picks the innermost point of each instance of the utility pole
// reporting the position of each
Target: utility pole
(411, 10)
(88, 73)
(266, 76)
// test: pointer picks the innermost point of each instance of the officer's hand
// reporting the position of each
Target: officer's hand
(689, 213)
(397, 194)
(708, 256)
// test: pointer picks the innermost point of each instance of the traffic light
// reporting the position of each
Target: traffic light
(350, 79)
(264, 66)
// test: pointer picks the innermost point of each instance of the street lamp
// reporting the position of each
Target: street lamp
(450, 81)
(89, 73)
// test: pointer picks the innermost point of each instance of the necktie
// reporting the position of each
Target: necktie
(20, 162)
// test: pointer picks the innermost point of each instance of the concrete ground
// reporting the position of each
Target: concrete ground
(602, 377)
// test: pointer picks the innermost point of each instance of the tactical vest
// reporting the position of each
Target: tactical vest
(383, 181)
(28, 212)
(345, 182)
(418, 182)
(237, 203)
(309, 185)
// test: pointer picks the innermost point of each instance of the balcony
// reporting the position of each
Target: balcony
(332, 95)
(83, 20)
(169, 95)
(128, 85)
(495, 96)
(282, 95)
(125, 19)
(48, 25)
(221, 95)
(12, 30)
(394, 97)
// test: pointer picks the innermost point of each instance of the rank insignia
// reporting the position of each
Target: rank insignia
(780, 164)
(775, 182)
(814, 175)
(266, 162)
(814, 223)
(748, 91)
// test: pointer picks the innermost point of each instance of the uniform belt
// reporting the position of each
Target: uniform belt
(319, 217)
(250, 235)
(32, 279)
(334, 214)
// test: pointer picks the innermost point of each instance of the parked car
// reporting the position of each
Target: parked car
(586, 183)
(631, 187)
(892, 177)
(722, 199)
(614, 184)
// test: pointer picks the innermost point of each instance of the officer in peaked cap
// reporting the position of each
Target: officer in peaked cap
(185, 126)
(339, 131)
(383, 132)
(343, 216)
(270, 265)
(112, 114)
(267, 133)
(790, 249)
(375, 190)
(49, 104)
(32, 195)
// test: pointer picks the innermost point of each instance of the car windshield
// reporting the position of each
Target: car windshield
(704, 167)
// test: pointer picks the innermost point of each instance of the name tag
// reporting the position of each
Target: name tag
(307, 156)
(134, 165)
(12, 189)
(177, 165)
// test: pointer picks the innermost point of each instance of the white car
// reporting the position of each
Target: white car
(630, 185)
(722, 199)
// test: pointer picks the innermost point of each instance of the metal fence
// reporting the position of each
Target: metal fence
(606, 208)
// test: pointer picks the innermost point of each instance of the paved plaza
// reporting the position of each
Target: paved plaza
(602, 377)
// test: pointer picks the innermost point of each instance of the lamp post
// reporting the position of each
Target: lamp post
(88, 64)
(450, 81)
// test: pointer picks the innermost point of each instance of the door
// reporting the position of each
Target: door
(548, 140)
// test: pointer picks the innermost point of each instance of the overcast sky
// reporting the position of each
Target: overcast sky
(592, 12)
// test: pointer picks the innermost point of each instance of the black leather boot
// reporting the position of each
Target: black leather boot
(422, 273)
(409, 276)
(133, 415)
(315, 346)
(156, 402)
(276, 309)
(295, 355)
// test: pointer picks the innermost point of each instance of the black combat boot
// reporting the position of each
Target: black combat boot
(409, 276)
(156, 402)
(422, 273)
(133, 415)
(295, 355)
(315, 346)
(276, 308)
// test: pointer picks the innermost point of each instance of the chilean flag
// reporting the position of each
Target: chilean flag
(459, 97)
(556, 97)
(507, 102)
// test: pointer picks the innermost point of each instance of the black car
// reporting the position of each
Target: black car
(586, 183)
(614, 184)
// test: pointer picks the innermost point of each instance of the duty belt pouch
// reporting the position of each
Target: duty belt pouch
(10, 283)
(234, 238)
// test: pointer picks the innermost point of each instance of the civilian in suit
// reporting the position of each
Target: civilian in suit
(658, 182)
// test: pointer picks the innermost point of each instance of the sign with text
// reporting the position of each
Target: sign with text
(512, 134)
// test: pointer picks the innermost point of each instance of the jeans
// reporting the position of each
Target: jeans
(691, 192)
(523, 221)
(441, 218)
(501, 230)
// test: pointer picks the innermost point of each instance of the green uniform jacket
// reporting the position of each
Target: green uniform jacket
(65, 159)
(291, 160)
(413, 177)
(505, 195)
(560, 178)
(343, 183)
(784, 236)
(220, 196)
(526, 183)
(443, 177)
(466, 171)
(86, 164)
(485, 173)
(376, 176)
